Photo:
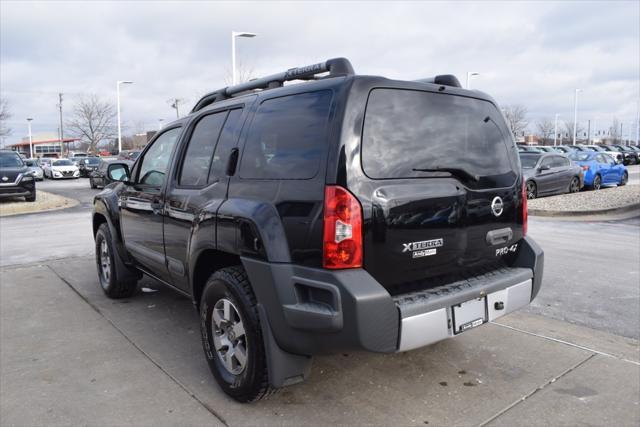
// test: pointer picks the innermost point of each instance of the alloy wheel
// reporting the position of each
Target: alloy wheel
(105, 261)
(229, 338)
(575, 186)
(531, 190)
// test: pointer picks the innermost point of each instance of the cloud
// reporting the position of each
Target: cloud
(533, 54)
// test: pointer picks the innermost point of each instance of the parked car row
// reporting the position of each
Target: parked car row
(625, 154)
(547, 173)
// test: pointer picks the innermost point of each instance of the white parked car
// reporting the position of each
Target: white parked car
(62, 168)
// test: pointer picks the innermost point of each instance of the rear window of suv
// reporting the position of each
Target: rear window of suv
(406, 130)
(288, 137)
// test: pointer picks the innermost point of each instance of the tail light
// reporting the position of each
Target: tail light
(524, 209)
(585, 167)
(342, 242)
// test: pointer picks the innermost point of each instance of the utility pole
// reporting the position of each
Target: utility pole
(589, 132)
(61, 130)
(555, 132)
(621, 140)
(176, 101)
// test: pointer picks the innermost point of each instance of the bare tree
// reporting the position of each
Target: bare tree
(516, 116)
(5, 115)
(243, 74)
(544, 129)
(614, 130)
(93, 120)
(568, 126)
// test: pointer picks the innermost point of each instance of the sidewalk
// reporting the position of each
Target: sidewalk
(71, 356)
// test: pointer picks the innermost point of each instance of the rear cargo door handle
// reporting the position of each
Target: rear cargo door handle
(499, 237)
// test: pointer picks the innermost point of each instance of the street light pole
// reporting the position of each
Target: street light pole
(555, 131)
(235, 34)
(160, 124)
(30, 138)
(575, 115)
(469, 75)
(118, 83)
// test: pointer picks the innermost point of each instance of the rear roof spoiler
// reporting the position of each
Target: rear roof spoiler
(442, 79)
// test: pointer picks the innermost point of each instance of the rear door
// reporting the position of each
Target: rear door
(442, 187)
(546, 176)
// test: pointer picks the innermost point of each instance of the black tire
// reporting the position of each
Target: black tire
(532, 190)
(574, 185)
(92, 184)
(31, 197)
(597, 182)
(251, 383)
(116, 280)
(624, 179)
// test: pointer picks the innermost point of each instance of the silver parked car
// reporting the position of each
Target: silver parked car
(34, 166)
(549, 173)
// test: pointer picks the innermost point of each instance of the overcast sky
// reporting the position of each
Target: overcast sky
(533, 54)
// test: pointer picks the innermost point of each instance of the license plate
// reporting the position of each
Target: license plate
(469, 315)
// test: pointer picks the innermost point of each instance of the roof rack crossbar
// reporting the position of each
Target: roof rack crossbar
(335, 67)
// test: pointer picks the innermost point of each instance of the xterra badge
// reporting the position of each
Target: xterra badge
(423, 248)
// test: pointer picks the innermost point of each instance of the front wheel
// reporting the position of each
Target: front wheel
(597, 182)
(624, 179)
(231, 335)
(31, 197)
(116, 280)
(91, 183)
(574, 187)
(532, 190)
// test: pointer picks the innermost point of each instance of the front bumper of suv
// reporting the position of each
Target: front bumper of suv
(316, 311)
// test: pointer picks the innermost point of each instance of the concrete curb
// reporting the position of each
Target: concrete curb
(598, 212)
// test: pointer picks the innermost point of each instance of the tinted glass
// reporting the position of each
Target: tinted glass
(64, 162)
(547, 161)
(10, 160)
(91, 161)
(156, 160)
(287, 137)
(580, 156)
(608, 159)
(559, 162)
(406, 130)
(197, 159)
(30, 163)
(227, 141)
(528, 162)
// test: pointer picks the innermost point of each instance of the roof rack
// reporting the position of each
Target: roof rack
(442, 79)
(335, 67)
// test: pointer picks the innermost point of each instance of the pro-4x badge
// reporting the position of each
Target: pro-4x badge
(422, 248)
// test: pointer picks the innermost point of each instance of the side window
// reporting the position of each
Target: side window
(560, 162)
(227, 141)
(197, 159)
(609, 160)
(601, 158)
(548, 161)
(155, 163)
(288, 137)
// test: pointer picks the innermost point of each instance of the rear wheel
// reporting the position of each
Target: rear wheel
(574, 187)
(91, 183)
(532, 190)
(597, 182)
(116, 280)
(231, 335)
(624, 179)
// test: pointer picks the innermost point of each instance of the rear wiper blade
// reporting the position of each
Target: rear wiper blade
(457, 172)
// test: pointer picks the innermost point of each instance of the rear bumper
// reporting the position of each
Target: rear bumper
(315, 311)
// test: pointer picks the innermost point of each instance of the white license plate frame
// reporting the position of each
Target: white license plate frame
(469, 314)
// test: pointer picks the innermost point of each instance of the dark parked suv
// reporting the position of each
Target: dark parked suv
(16, 179)
(345, 213)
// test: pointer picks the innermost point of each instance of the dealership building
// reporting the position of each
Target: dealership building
(46, 144)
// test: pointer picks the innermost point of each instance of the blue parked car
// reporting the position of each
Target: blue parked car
(600, 169)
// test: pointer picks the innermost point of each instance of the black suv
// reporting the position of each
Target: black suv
(16, 179)
(345, 213)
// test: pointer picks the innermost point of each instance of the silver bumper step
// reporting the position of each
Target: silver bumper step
(428, 316)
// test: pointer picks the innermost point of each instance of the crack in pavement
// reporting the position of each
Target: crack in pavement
(145, 354)
(534, 391)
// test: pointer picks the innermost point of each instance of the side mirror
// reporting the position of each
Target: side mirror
(118, 172)
(544, 168)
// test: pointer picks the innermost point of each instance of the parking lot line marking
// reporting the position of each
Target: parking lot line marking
(537, 389)
(568, 343)
(144, 353)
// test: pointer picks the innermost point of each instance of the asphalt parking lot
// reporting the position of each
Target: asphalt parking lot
(71, 356)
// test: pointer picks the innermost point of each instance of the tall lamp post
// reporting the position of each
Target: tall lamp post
(118, 83)
(555, 132)
(575, 115)
(160, 124)
(30, 137)
(235, 34)
(469, 75)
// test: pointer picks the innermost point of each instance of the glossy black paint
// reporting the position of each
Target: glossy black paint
(15, 177)
(280, 220)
